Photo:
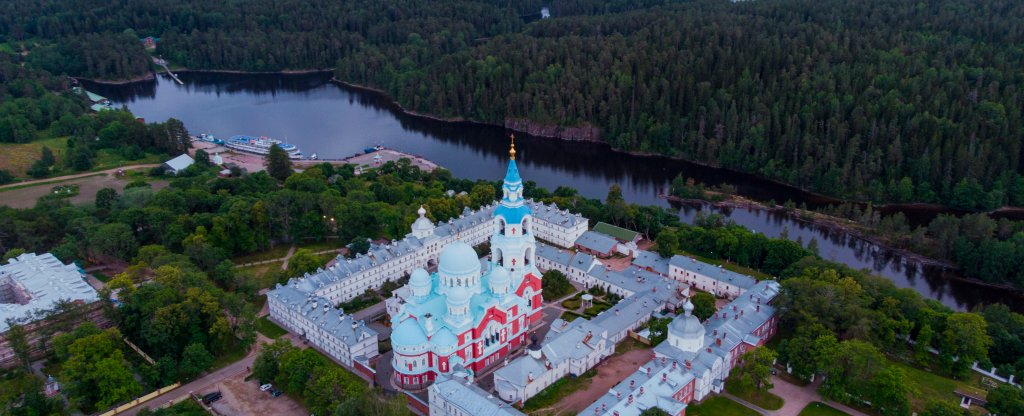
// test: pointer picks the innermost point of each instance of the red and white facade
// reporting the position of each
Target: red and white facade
(471, 314)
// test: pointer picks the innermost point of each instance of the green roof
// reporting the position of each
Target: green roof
(619, 233)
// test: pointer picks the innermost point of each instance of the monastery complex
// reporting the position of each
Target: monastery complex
(477, 315)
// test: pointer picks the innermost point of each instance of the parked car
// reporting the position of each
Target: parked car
(266, 387)
(211, 397)
(276, 393)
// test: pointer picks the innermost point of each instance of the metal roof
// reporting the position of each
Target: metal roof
(33, 282)
(180, 163)
(712, 271)
(596, 241)
(470, 398)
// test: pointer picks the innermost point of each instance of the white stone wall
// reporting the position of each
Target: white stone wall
(704, 283)
(295, 322)
(557, 234)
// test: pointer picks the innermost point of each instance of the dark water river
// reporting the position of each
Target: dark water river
(335, 121)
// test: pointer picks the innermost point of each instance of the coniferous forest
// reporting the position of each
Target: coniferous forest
(881, 100)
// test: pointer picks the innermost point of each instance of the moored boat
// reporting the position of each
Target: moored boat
(261, 145)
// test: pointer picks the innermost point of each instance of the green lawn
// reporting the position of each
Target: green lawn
(360, 302)
(111, 158)
(570, 316)
(629, 344)
(820, 409)
(276, 252)
(719, 406)
(930, 386)
(265, 274)
(763, 399)
(269, 329)
(235, 353)
(327, 244)
(557, 391)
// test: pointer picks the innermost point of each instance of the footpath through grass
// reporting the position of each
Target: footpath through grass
(820, 409)
(719, 406)
(763, 399)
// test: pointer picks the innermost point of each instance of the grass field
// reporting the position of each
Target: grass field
(820, 409)
(557, 391)
(763, 399)
(269, 329)
(276, 252)
(629, 344)
(719, 406)
(109, 159)
(930, 386)
(265, 274)
(315, 246)
(18, 157)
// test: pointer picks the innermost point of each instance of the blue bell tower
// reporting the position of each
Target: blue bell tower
(513, 245)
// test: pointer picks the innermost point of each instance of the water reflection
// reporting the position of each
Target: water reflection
(336, 121)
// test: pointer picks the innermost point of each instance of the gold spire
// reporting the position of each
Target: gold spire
(512, 150)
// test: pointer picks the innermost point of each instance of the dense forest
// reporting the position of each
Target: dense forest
(39, 105)
(881, 100)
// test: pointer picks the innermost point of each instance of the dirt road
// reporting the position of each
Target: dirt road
(87, 187)
(109, 172)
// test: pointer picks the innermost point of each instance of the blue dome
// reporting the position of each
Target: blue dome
(500, 276)
(444, 338)
(458, 296)
(419, 278)
(408, 333)
(459, 259)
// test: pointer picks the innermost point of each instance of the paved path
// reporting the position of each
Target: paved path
(751, 406)
(796, 399)
(78, 175)
(284, 264)
(284, 260)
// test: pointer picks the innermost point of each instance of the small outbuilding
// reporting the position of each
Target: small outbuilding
(178, 164)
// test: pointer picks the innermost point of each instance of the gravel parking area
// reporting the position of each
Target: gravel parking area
(244, 398)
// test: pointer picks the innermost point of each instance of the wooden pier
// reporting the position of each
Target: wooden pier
(163, 63)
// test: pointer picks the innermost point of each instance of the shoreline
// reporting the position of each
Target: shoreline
(231, 71)
(848, 227)
(825, 199)
(141, 78)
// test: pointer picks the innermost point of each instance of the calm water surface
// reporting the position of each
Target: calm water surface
(334, 121)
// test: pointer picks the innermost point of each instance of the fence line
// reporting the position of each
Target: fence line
(152, 395)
